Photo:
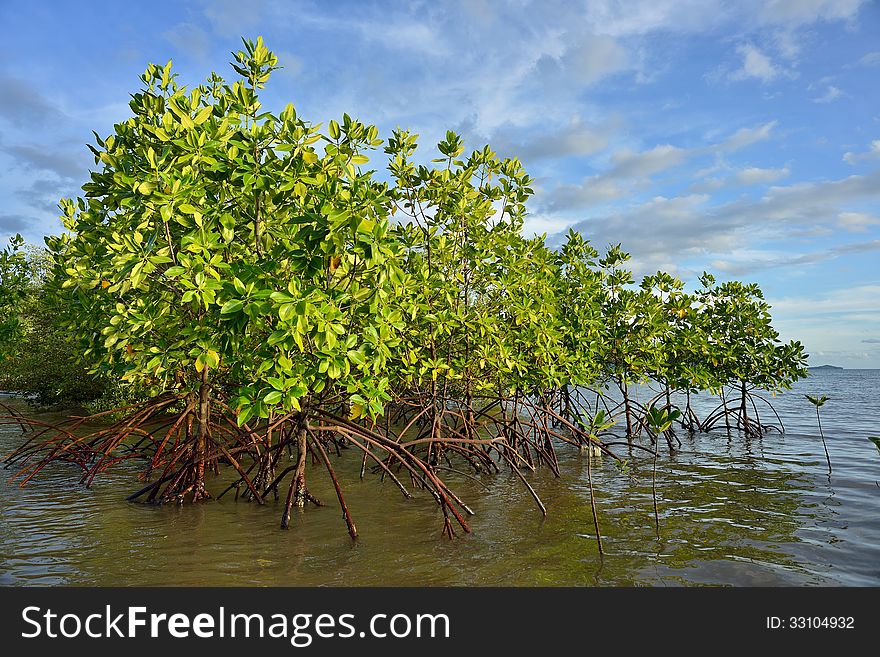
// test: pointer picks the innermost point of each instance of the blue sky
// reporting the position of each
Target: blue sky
(739, 137)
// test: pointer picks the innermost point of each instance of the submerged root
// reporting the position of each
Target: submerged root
(182, 439)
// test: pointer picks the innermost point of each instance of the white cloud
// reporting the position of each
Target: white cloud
(227, 18)
(872, 152)
(870, 59)
(594, 58)
(690, 227)
(576, 138)
(632, 169)
(746, 262)
(708, 184)
(407, 35)
(539, 224)
(189, 38)
(802, 12)
(755, 65)
(788, 43)
(629, 164)
(857, 222)
(24, 105)
(747, 136)
(636, 17)
(831, 94)
(747, 177)
(815, 202)
(759, 176)
(592, 191)
(831, 336)
(291, 65)
(863, 299)
(629, 169)
(36, 157)
(414, 32)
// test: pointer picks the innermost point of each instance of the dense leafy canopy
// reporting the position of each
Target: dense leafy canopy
(13, 283)
(245, 268)
(216, 238)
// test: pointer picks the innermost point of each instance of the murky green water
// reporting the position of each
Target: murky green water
(732, 512)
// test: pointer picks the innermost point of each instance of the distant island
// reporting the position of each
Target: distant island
(826, 367)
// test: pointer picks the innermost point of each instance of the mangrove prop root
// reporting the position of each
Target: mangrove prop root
(349, 523)
(185, 438)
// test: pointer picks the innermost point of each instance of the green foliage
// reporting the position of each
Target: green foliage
(630, 322)
(239, 271)
(13, 283)
(600, 421)
(580, 313)
(818, 402)
(661, 419)
(216, 237)
(742, 343)
(42, 360)
(473, 283)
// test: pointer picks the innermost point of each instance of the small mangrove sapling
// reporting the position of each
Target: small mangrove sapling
(818, 402)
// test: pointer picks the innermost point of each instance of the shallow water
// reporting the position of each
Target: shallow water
(737, 512)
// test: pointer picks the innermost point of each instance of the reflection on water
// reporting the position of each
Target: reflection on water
(758, 512)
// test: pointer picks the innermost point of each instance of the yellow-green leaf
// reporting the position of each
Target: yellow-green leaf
(203, 115)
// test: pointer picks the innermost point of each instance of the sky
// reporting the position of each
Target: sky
(742, 138)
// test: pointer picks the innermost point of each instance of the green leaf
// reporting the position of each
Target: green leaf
(286, 311)
(273, 397)
(231, 306)
(203, 115)
(181, 114)
(281, 297)
(297, 337)
(334, 129)
(212, 359)
(276, 337)
(244, 414)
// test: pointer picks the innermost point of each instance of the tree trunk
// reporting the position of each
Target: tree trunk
(469, 410)
(689, 413)
(725, 412)
(743, 410)
(297, 494)
(199, 491)
(627, 409)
